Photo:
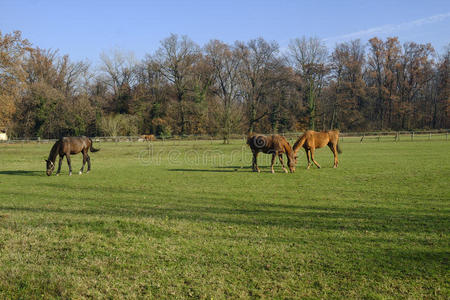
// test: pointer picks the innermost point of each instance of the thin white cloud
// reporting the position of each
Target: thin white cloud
(390, 28)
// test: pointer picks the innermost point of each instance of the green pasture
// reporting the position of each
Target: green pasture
(188, 219)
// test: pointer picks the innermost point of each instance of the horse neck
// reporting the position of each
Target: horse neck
(298, 144)
(290, 153)
(54, 152)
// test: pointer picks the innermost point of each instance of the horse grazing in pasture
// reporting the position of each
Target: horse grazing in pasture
(67, 146)
(311, 140)
(148, 137)
(275, 145)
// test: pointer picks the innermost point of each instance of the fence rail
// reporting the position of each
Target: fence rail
(361, 137)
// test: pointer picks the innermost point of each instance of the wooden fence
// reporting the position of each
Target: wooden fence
(346, 137)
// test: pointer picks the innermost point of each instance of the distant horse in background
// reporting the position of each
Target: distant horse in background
(148, 137)
(67, 146)
(275, 145)
(311, 140)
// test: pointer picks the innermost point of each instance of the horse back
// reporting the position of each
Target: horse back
(74, 145)
(267, 144)
(259, 143)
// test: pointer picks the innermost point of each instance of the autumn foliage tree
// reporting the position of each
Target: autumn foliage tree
(13, 50)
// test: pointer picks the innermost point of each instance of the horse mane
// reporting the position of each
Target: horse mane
(250, 136)
(287, 147)
(54, 151)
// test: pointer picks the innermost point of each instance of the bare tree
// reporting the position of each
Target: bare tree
(177, 57)
(225, 63)
(258, 67)
(309, 58)
(347, 65)
(119, 74)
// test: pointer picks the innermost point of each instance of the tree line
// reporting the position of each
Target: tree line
(219, 88)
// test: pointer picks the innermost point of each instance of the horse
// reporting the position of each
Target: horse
(67, 146)
(312, 140)
(148, 137)
(275, 145)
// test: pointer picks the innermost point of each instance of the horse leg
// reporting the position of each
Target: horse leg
(280, 157)
(59, 165)
(89, 163)
(68, 162)
(312, 157)
(255, 164)
(274, 155)
(334, 150)
(84, 162)
(307, 157)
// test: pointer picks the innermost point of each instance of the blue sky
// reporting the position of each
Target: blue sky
(83, 29)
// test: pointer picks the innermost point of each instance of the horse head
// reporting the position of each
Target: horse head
(50, 167)
(292, 161)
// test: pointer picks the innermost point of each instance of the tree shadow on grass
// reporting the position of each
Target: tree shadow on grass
(305, 217)
(22, 173)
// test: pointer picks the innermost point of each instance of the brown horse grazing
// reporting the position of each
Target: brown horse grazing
(67, 146)
(148, 137)
(312, 140)
(275, 145)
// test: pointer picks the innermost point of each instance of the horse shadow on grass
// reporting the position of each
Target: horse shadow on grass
(22, 173)
(225, 169)
(214, 170)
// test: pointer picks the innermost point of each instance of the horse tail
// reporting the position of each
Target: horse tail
(92, 147)
(339, 150)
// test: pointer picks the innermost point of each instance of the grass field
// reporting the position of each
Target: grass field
(194, 222)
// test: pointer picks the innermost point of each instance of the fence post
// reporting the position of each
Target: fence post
(412, 136)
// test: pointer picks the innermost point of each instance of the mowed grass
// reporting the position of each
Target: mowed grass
(195, 222)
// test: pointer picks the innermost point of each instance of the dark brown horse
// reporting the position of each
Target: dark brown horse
(275, 145)
(67, 146)
(313, 139)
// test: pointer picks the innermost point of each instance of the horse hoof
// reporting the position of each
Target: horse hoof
(57, 174)
(70, 174)
(286, 171)
(79, 173)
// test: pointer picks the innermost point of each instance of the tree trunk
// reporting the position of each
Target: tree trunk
(312, 107)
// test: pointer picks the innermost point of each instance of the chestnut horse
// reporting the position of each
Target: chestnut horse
(67, 146)
(311, 140)
(275, 145)
(148, 137)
